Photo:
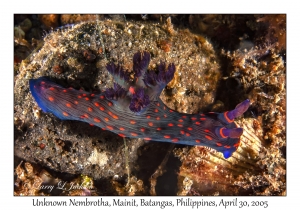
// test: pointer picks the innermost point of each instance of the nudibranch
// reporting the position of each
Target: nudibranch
(132, 108)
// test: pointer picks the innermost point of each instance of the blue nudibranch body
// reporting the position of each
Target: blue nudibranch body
(134, 109)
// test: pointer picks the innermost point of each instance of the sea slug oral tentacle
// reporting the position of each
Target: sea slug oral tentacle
(133, 109)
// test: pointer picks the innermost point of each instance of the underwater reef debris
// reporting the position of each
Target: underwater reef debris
(211, 174)
(77, 18)
(275, 27)
(49, 20)
(259, 167)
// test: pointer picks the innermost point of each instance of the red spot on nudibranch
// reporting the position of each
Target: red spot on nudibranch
(101, 108)
(184, 117)
(110, 103)
(170, 124)
(150, 123)
(101, 97)
(237, 144)
(157, 118)
(133, 134)
(84, 94)
(97, 104)
(91, 124)
(42, 82)
(143, 129)
(167, 136)
(121, 134)
(75, 102)
(148, 117)
(131, 90)
(65, 114)
(194, 118)
(197, 123)
(221, 133)
(180, 125)
(68, 105)
(96, 120)
(87, 99)
(156, 110)
(51, 98)
(113, 115)
(79, 96)
(187, 134)
(218, 144)
(106, 119)
(197, 141)
(52, 88)
(64, 90)
(92, 94)
(132, 122)
(175, 140)
(90, 109)
(227, 146)
(158, 129)
(203, 118)
(109, 127)
(122, 129)
(147, 138)
(207, 131)
(157, 104)
(227, 118)
(165, 116)
(208, 137)
(180, 120)
(170, 110)
(182, 132)
(190, 129)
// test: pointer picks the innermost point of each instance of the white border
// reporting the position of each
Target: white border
(8, 8)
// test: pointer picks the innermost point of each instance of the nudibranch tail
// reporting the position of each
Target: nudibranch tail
(134, 109)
